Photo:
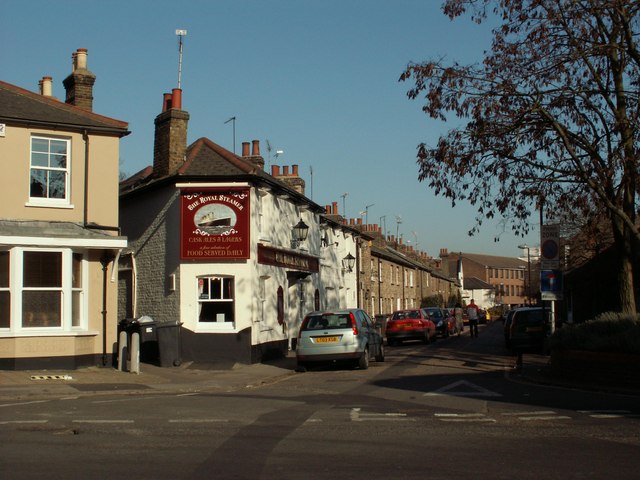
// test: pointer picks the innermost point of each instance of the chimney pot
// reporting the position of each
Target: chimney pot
(176, 98)
(81, 58)
(255, 148)
(245, 149)
(335, 208)
(275, 170)
(295, 170)
(45, 86)
(166, 102)
(285, 172)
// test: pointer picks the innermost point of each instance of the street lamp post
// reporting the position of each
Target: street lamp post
(528, 289)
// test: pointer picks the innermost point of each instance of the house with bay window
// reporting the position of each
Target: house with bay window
(59, 233)
(232, 253)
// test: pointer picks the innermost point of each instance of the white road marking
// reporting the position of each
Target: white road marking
(357, 415)
(102, 421)
(542, 417)
(608, 413)
(537, 412)
(537, 415)
(14, 422)
(23, 403)
(463, 417)
(198, 420)
(471, 390)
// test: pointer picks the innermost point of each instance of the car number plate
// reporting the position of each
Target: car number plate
(326, 339)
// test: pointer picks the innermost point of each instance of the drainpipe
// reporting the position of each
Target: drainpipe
(105, 260)
(85, 137)
(379, 277)
(358, 292)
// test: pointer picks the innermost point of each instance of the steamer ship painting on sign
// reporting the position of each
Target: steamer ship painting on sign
(215, 219)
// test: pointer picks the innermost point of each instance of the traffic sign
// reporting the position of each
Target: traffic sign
(550, 247)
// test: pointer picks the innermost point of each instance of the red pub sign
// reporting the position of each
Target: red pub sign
(214, 223)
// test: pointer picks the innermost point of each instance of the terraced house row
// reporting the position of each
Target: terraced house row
(202, 238)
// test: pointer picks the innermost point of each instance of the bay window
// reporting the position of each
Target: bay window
(42, 290)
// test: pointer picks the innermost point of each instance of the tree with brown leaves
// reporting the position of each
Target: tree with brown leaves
(550, 117)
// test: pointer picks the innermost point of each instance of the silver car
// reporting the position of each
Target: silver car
(336, 336)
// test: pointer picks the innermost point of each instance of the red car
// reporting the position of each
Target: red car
(410, 324)
(444, 321)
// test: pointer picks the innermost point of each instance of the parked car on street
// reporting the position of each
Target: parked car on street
(445, 323)
(410, 324)
(529, 328)
(344, 335)
(506, 326)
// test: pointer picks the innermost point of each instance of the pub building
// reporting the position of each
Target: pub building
(234, 255)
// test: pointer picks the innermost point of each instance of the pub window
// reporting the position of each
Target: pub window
(280, 306)
(316, 300)
(216, 300)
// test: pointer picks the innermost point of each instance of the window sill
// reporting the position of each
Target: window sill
(48, 205)
(49, 333)
(226, 327)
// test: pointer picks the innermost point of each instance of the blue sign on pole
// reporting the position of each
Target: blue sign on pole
(551, 284)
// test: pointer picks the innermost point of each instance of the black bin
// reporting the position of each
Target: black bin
(145, 327)
(168, 334)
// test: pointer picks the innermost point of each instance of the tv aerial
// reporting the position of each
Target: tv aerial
(180, 33)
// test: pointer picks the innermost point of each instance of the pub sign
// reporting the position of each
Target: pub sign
(214, 223)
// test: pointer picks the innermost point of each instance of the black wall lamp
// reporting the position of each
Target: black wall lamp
(348, 263)
(299, 233)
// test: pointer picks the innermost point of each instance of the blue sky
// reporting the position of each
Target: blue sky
(317, 79)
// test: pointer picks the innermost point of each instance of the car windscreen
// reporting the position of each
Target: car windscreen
(434, 313)
(529, 317)
(410, 314)
(327, 321)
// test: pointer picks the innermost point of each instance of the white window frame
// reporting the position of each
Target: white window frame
(64, 202)
(219, 325)
(7, 289)
(16, 289)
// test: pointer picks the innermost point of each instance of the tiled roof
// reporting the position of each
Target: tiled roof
(474, 283)
(205, 158)
(57, 230)
(492, 260)
(206, 161)
(18, 106)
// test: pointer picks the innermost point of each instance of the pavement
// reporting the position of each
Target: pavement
(191, 378)
(187, 378)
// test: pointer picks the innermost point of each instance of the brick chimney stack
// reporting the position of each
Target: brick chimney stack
(291, 179)
(79, 84)
(170, 142)
(253, 157)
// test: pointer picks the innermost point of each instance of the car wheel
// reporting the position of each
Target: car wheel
(363, 362)
(380, 356)
(426, 338)
(390, 342)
